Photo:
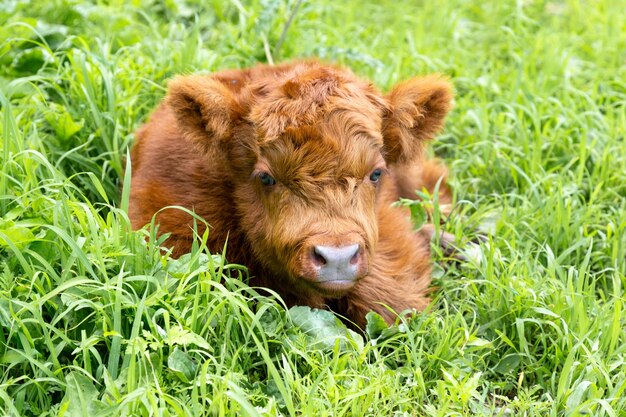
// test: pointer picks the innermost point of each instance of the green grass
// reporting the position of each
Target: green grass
(94, 320)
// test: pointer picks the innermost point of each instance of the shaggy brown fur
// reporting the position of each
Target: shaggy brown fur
(320, 133)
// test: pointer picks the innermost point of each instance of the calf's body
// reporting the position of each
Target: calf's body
(297, 167)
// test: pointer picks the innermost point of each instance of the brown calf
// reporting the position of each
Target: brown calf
(297, 165)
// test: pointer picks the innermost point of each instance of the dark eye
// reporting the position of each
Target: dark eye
(375, 175)
(266, 179)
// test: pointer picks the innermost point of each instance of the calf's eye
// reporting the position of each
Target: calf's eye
(375, 175)
(266, 179)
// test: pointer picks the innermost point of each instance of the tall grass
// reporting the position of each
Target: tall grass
(96, 320)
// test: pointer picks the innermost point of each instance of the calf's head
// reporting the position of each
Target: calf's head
(307, 150)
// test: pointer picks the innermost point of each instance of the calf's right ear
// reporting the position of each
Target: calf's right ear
(205, 108)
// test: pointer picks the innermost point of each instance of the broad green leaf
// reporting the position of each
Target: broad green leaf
(178, 268)
(418, 215)
(375, 325)
(322, 327)
(417, 210)
(16, 234)
(62, 123)
(182, 365)
(179, 336)
(508, 363)
(81, 397)
(377, 329)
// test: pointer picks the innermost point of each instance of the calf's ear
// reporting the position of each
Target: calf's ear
(205, 109)
(418, 108)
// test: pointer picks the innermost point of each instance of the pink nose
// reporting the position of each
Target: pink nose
(334, 263)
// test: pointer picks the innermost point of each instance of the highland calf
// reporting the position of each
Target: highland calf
(297, 166)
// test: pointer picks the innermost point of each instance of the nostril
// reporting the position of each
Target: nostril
(355, 258)
(318, 258)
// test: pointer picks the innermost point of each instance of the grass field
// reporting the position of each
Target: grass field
(95, 321)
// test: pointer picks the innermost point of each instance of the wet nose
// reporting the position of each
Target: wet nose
(337, 263)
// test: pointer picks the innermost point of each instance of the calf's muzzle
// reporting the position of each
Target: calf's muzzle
(336, 263)
(334, 267)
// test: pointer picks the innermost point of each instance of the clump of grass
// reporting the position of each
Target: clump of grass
(97, 319)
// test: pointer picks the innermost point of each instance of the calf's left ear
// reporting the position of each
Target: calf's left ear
(418, 108)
